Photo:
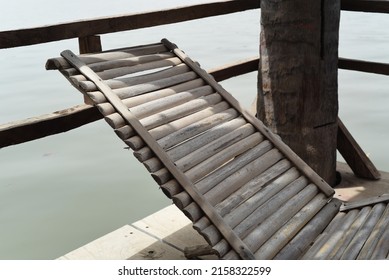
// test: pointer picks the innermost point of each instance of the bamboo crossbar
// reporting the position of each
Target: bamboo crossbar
(245, 191)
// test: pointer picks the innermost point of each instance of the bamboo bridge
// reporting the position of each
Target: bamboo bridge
(245, 191)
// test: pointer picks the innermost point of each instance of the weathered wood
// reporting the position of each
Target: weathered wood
(297, 96)
(164, 130)
(382, 248)
(115, 120)
(62, 64)
(210, 135)
(355, 246)
(224, 156)
(24, 37)
(125, 132)
(371, 243)
(364, 202)
(164, 103)
(280, 238)
(354, 155)
(171, 188)
(89, 44)
(235, 214)
(139, 79)
(128, 70)
(214, 147)
(233, 166)
(320, 250)
(196, 128)
(181, 111)
(241, 177)
(57, 122)
(298, 245)
(371, 6)
(258, 236)
(364, 66)
(349, 234)
(243, 227)
(196, 251)
(262, 184)
(233, 239)
(305, 169)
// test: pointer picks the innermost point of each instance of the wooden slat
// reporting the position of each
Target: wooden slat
(364, 202)
(227, 232)
(304, 168)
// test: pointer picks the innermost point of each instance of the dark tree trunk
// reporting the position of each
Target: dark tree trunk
(297, 84)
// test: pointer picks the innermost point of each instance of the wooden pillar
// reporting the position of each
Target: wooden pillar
(297, 81)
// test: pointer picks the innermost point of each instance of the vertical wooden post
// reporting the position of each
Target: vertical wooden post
(89, 44)
(297, 81)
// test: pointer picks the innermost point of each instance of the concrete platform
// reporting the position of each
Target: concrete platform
(165, 234)
(161, 236)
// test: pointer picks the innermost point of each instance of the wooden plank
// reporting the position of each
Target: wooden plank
(304, 168)
(364, 66)
(364, 202)
(354, 155)
(41, 126)
(371, 6)
(43, 34)
(227, 232)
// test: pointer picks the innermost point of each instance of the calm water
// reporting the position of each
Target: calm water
(63, 191)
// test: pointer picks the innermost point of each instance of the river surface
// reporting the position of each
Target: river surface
(63, 191)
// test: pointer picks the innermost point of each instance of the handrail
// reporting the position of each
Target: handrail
(103, 25)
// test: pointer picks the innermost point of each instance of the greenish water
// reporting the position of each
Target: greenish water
(63, 191)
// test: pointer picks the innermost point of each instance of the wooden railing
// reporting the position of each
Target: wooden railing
(70, 118)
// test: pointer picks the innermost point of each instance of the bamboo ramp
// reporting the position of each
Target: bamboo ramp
(245, 191)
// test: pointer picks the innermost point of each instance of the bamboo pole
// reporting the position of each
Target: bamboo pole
(139, 79)
(322, 250)
(209, 149)
(139, 89)
(155, 106)
(258, 236)
(280, 238)
(382, 249)
(241, 177)
(349, 234)
(299, 244)
(61, 63)
(265, 210)
(371, 243)
(355, 246)
(238, 211)
(233, 166)
(208, 136)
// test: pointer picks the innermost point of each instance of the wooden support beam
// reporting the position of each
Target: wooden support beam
(38, 127)
(353, 154)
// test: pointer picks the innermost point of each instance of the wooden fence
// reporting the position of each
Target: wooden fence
(61, 121)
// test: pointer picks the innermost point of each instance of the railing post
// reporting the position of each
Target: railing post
(89, 44)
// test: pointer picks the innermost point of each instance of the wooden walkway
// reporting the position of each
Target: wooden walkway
(247, 193)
